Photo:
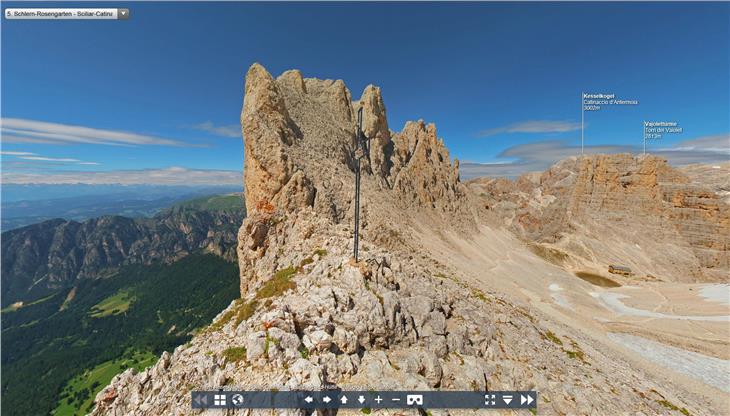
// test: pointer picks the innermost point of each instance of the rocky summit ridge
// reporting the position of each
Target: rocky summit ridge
(310, 317)
(299, 137)
(299, 144)
(635, 211)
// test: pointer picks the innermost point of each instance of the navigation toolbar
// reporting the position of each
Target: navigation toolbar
(340, 399)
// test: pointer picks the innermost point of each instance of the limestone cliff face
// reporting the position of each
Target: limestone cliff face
(268, 130)
(375, 126)
(636, 211)
(299, 136)
(419, 169)
(299, 143)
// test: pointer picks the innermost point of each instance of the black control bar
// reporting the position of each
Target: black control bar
(340, 399)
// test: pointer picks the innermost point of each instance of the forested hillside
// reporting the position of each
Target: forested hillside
(45, 258)
(62, 349)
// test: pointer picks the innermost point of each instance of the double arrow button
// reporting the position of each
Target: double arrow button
(200, 399)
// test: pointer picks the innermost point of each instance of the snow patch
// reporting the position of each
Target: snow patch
(612, 301)
(716, 293)
(710, 370)
(558, 297)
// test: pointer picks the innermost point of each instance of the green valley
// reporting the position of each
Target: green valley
(78, 394)
(62, 357)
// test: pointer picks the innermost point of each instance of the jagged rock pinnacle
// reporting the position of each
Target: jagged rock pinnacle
(298, 140)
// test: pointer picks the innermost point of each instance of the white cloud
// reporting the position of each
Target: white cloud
(538, 156)
(9, 138)
(533, 126)
(4, 153)
(718, 143)
(230, 130)
(18, 130)
(50, 159)
(35, 157)
(167, 176)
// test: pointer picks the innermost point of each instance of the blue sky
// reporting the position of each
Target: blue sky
(159, 96)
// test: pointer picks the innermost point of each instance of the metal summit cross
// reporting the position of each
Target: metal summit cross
(362, 149)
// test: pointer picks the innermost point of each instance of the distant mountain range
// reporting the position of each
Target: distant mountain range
(83, 301)
(40, 259)
(29, 204)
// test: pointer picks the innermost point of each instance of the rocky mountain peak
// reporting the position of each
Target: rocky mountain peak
(268, 131)
(375, 126)
(619, 209)
(299, 140)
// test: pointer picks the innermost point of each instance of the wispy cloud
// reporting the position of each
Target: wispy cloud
(538, 156)
(18, 130)
(38, 158)
(4, 153)
(717, 143)
(230, 130)
(50, 159)
(166, 176)
(533, 126)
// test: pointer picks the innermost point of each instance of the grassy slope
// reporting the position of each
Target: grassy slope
(113, 305)
(74, 401)
(228, 202)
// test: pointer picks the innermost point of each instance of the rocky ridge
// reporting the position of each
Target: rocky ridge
(42, 258)
(713, 176)
(619, 209)
(299, 137)
(310, 317)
